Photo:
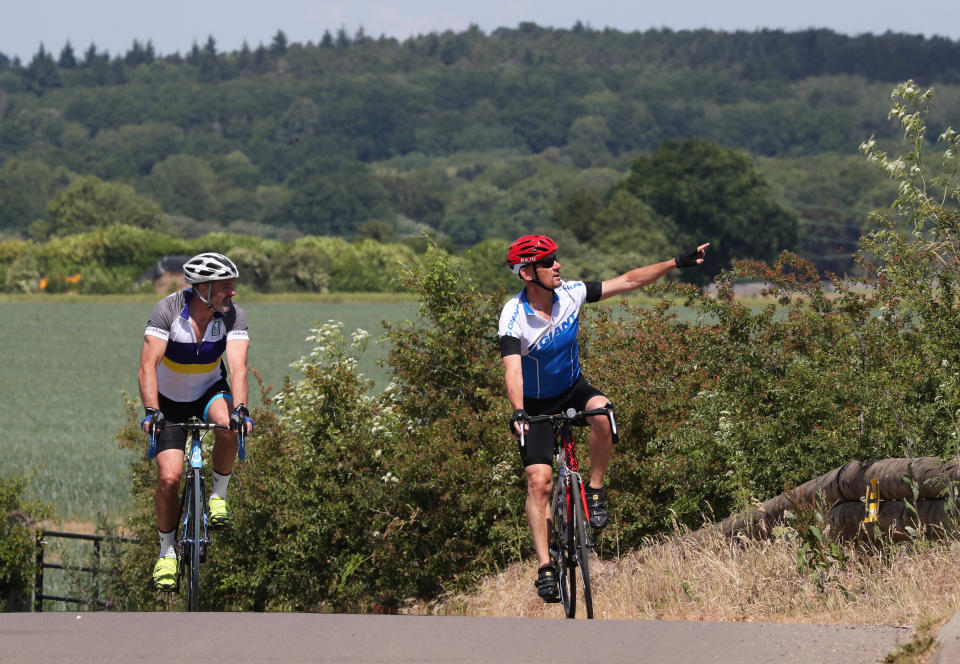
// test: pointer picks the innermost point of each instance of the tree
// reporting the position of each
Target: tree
(587, 141)
(90, 203)
(67, 58)
(184, 184)
(279, 44)
(335, 204)
(713, 194)
(42, 73)
(26, 187)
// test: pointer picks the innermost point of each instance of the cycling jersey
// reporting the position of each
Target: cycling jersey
(550, 356)
(188, 369)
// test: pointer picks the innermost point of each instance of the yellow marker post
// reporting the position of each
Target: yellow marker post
(873, 501)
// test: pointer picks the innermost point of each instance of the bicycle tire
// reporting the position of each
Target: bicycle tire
(581, 548)
(564, 542)
(196, 550)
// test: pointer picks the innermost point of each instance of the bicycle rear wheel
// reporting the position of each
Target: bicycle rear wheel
(195, 530)
(564, 542)
(581, 548)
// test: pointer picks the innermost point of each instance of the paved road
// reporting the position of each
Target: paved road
(246, 637)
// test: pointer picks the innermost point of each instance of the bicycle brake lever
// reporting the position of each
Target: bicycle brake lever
(152, 443)
(615, 434)
(242, 442)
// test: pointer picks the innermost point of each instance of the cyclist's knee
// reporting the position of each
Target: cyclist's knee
(539, 480)
(168, 482)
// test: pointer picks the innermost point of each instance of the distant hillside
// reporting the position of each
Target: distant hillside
(473, 135)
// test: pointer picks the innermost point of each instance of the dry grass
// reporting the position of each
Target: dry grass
(712, 578)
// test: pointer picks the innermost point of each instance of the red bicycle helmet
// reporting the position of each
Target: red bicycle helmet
(529, 249)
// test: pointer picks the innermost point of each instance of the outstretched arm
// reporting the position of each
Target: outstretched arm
(648, 274)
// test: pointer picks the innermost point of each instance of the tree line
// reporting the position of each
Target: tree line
(469, 136)
(109, 235)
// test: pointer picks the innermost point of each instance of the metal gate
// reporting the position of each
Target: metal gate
(94, 569)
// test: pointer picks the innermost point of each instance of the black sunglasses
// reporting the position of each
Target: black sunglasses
(548, 261)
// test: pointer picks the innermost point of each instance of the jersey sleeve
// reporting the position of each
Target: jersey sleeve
(509, 346)
(160, 321)
(577, 290)
(508, 329)
(239, 329)
(594, 290)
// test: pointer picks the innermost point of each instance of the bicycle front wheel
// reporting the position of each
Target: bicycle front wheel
(195, 530)
(564, 546)
(581, 548)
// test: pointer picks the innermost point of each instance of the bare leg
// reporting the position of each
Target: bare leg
(601, 442)
(539, 483)
(169, 471)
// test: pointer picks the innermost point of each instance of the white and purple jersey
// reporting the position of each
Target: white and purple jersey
(549, 354)
(189, 368)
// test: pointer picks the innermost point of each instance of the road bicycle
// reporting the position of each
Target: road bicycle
(193, 527)
(571, 539)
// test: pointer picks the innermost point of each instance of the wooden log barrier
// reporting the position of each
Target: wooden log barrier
(846, 519)
(848, 483)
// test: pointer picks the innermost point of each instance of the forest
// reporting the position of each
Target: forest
(622, 145)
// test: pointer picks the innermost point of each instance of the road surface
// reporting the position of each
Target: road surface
(79, 638)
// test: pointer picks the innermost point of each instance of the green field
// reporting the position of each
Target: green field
(67, 361)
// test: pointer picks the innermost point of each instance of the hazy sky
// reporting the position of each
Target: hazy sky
(174, 25)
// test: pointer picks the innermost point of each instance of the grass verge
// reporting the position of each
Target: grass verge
(710, 578)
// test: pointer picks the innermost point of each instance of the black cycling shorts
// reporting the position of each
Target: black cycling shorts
(539, 439)
(181, 411)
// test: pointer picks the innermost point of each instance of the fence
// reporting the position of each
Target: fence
(94, 569)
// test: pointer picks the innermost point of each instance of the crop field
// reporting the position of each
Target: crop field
(68, 360)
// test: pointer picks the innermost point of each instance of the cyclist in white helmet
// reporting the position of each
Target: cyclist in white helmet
(182, 375)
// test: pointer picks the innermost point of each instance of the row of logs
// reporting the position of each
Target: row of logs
(843, 490)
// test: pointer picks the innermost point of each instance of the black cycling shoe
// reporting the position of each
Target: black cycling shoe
(546, 584)
(597, 504)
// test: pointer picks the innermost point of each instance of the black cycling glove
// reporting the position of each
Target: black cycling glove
(239, 417)
(154, 417)
(688, 258)
(519, 415)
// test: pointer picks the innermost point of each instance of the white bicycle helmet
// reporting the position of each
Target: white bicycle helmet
(209, 266)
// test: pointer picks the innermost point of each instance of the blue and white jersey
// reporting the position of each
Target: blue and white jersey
(549, 354)
(190, 367)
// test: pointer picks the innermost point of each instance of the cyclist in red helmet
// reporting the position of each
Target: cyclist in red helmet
(538, 345)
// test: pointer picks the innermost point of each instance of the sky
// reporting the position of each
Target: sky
(174, 25)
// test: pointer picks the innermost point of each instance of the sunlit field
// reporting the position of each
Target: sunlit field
(67, 361)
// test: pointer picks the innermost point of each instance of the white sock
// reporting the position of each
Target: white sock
(168, 543)
(220, 483)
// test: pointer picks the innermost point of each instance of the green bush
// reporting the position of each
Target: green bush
(23, 275)
(19, 519)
